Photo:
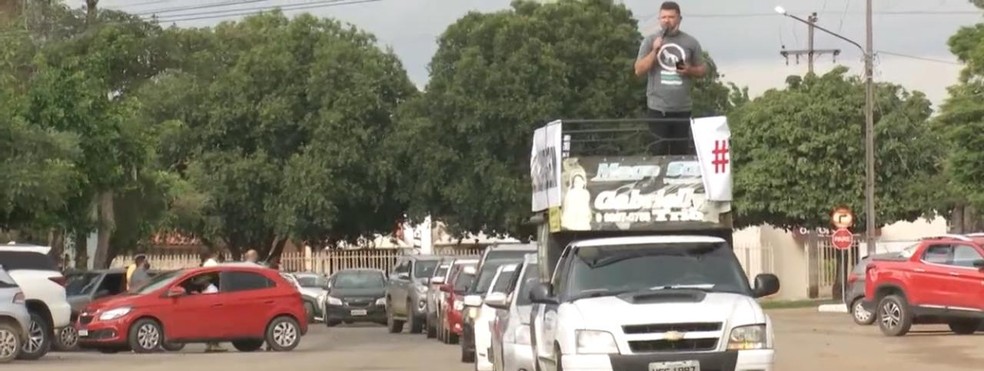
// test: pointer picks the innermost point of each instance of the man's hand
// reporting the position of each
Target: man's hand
(687, 70)
(657, 43)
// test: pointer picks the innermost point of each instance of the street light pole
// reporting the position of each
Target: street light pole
(869, 120)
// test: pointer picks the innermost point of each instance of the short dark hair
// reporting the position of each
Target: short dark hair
(670, 5)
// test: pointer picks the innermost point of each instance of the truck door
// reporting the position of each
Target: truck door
(545, 320)
(967, 281)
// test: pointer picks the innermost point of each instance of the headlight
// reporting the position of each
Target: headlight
(381, 301)
(747, 337)
(334, 301)
(458, 305)
(519, 336)
(472, 312)
(595, 342)
(112, 314)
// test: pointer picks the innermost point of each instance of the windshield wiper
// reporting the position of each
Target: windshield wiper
(706, 287)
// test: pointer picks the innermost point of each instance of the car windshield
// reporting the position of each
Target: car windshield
(484, 279)
(442, 270)
(530, 277)
(81, 283)
(311, 280)
(611, 270)
(358, 280)
(463, 281)
(157, 282)
(424, 268)
(505, 278)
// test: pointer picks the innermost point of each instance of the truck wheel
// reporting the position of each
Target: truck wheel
(861, 316)
(38, 339)
(395, 326)
(10, 342)
(964, 326)
(894, 316)
(415, 326)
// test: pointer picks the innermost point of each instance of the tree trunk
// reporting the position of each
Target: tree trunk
(965, 219)
(278, 247)
(91, 12)
(81, 250)
(107, 224)
(57, 243)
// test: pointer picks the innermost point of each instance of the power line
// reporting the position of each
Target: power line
(843, 14)
(199, 7)
(916, 57)
(256, 10)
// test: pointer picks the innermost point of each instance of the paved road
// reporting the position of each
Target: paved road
(807, 341)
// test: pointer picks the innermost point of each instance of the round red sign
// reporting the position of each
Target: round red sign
(842, 239)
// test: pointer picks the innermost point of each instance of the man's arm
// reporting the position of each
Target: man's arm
(646, 58)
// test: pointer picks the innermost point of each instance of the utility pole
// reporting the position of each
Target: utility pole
(869, 134)
(810, 52)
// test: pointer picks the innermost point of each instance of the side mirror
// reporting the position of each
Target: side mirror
(497, 300)
(446, 288)
(403, 276)
(437, 280)
(175, 291)
(979, 264)
(541, 293)
(472, 301)
(766, 284)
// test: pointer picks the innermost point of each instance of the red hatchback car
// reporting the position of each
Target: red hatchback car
(240, 303)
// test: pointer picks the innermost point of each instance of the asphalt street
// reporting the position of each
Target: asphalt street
(807, 341)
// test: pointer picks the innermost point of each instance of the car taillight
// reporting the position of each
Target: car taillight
(59, 280)
(19, 298)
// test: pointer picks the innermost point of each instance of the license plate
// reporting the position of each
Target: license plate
(359, 312)
(83, 332)
(675, 366)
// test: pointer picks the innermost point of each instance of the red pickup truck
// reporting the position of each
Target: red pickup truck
(938, 280)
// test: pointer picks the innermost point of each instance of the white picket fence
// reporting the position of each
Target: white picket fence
(755, 260)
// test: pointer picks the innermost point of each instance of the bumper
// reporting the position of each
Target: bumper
(101, 333)
(61, 314)
(744, 360)
(373, 313)
(517, 357)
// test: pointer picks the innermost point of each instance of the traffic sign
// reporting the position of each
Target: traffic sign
(842, 218)
(842, 239)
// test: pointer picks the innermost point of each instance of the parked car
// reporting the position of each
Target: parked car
(42, 283)
(855, 291)
(406, 292)
(312, 298)
(937, 280)
(356, 295)
(436, 297)
(15, 320)
(481, 317)
(456, 287)
(493, 257)
(511, 338)
(251, 305)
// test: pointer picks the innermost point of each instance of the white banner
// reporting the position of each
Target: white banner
(545, 169)
(712, 139)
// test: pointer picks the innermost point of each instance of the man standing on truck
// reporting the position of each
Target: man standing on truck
(671, 59)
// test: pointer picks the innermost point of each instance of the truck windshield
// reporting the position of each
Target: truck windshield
(610, 270)
(493, 260)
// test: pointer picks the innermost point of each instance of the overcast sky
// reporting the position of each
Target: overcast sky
(744, 37)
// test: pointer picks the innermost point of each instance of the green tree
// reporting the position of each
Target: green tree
(798, 153)
(277, 123)
(494, 79)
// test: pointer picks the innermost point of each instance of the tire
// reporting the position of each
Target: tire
(860, 315)
(394, 326)
(283, 334)
(964, 326)
(10, 342)
(173, 347)
(416, 326)
(67, 340)
(894, 315)
(247, 345)
(431, 328)
(466, 356)
(145, 336)
(39, 339)
(453, 338)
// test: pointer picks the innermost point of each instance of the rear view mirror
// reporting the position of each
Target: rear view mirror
(497, 300)
(175, 291)
(540, 293)
(437, 280)
(766, 284)
(472, 301)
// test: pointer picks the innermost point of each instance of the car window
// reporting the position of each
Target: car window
(424, 268)
(18, 260)
(937, 254)
(157, 282)
(442, 270)
(81, 283)
(235, 281)
(6, 281)
(505, 278)
(463, 281)
(485, 276)
(403, 266)
(909, 251)
(965, 256)
(530, 277)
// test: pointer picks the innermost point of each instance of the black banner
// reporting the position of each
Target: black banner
(634, 193)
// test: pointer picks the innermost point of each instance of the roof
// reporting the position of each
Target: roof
(466, 261)
(641, 240)
(514, 246)
(360, 270)
(425, 257)
(13, 246)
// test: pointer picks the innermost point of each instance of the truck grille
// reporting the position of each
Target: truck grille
(683, 345)
(658, 328)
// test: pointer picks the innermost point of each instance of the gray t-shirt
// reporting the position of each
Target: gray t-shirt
(666, 90)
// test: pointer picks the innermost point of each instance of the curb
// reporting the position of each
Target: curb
(832, 308)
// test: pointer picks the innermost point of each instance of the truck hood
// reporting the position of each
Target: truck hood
(669, 307)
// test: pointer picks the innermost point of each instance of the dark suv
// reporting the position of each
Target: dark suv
(406, 292)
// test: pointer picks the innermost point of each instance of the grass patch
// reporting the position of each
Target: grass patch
(791, 304)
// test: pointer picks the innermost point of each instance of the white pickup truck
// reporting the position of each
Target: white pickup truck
(657, 303)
